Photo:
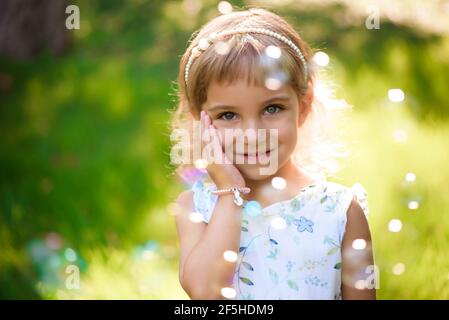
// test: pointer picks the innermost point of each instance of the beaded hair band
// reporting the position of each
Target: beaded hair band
(204, 43)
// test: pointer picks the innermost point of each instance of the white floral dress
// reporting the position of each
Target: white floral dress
(292, 249)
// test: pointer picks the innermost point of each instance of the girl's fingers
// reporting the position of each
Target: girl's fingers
(201, 128)
(206, 135)
(216, 133)
(204, 125)
(208, 121)
(214, 138)
(218, 145)
(202, 131)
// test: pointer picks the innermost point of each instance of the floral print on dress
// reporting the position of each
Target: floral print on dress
(300, 260)
(303, 224)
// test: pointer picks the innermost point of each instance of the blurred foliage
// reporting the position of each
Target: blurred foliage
(84, 147)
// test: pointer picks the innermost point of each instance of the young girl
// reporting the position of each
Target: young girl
(245, 233)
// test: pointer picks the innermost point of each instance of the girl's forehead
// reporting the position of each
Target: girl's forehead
(241, 90)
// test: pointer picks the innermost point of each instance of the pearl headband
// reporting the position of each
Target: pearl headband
(204, 43)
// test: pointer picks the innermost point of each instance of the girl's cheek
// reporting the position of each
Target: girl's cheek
(288, 135)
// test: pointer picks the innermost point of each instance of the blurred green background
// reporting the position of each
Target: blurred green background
(85, 176)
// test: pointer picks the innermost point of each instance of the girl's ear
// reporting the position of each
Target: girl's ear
(305, 105)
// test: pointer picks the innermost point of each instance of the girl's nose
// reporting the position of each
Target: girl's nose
(255, 132)
(252, 124)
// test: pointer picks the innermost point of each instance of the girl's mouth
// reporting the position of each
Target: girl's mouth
(256, 156)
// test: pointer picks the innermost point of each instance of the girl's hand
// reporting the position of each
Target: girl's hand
(221, 170)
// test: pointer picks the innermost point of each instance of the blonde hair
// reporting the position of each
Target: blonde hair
(316, 149)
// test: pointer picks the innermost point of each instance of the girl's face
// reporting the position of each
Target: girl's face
(243, 106)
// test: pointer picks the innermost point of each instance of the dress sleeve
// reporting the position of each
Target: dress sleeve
(358, 193)
(203, 199)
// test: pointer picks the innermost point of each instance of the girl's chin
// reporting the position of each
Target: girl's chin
(254, 171)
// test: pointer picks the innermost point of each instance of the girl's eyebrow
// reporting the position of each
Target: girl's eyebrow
(275, 98)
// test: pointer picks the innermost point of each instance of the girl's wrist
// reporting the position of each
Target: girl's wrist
(230, 185)
(236, 192)
(231, 190)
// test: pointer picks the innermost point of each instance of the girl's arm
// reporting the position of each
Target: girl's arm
(356, 263)
(203, 271)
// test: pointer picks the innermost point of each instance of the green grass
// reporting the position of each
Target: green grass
(114, 274)
(380, 163)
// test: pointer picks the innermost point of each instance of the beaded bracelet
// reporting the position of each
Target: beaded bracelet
(236, 192)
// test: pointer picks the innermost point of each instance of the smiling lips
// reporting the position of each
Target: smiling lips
(255, 155)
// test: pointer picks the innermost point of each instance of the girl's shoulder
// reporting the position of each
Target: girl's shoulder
(203, 198)
(337, 198)
(345, 194)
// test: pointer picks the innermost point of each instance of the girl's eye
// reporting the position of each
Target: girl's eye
(272, 109)
(227, 116)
